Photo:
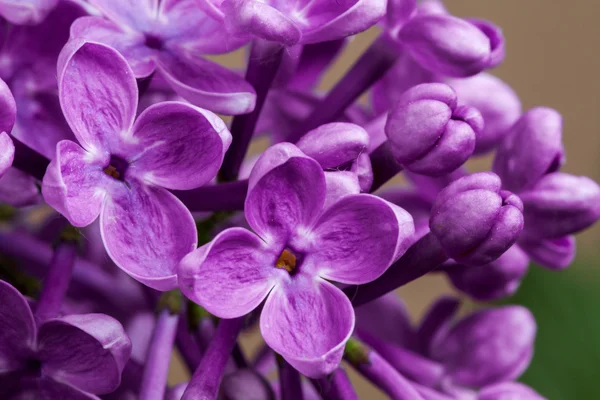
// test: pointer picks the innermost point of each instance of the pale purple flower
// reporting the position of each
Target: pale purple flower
(298, 246)
(7, 120)
(26, 11)
(70, 357)
(294, 22)
(123, 165)
(170, 36)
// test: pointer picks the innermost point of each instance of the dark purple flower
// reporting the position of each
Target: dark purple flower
(66, 357)
(122, 166)
(169, 36)
(298, 246)
(290, 23)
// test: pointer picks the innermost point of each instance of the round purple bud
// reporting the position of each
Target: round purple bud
(499, 279)
(560, 204)
(497, 102)
(554, 254)
(475, 221)
(429, 134)
(452, 46)
(508, 390)
(487, 347)
(532, 148)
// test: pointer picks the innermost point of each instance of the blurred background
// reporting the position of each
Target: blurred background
(552, 60)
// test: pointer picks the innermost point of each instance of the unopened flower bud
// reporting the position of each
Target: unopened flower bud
(452, 46)
(532, 148)
(429, 133)
(474, 220)
(560, 204)
(508, 390)
(487, 347)
(554, 254)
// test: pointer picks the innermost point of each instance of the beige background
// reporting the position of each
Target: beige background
(552, 60)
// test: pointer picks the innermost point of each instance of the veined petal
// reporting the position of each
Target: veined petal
(86, 351)
(98, 94)
(308, 321)
(207, 84)
(130, 43)
(7, 152)
(146, 231)
(74, 183)
(22, 12)
(331, 20)
(286, 191)
(129, 13)
(358, 238)
(182, 146)
(17, 328)
(231, 275)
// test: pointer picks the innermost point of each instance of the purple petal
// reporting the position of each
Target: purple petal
(98, 94)
(18, 188)
(86, 351)
(181, 146)
(146, 231)
(331, 20)
(74, 183)
(334, 144)
(207, 84)
(398, 12)
(554, 254)
(340, 184)
(48, 389)
(358, 238)
(7, 152)
(508, 390)
(8, 108)
(308, 321)
(231, 275)
(132, 13)
(17, 328)
(286, 192)
(130, 43)
(21, 12)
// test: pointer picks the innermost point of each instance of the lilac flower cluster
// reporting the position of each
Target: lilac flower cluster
(132, 222)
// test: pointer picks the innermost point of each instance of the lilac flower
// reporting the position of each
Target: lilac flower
(291, 23)
(26, 11)
(122, 167)
(169, 36)
(67, 357)
(297, 246)
(7, 120)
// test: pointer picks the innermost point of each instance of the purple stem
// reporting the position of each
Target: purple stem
(437, 319)
(412, 365)
(376, 369)
(422, 257)
(154, 381)
(370, 67)
(384, 165)
(188, 346)
(265, 58)
(207, 377)
(229, 196)
(57, 280)
(336, 386)
(29, 160)
(290, 384)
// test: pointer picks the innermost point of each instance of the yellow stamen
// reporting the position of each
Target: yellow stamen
(287, 261)
(112, 171)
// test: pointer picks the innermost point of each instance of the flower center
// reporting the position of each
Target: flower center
(287, 261)
(33, 367)
(154, 42)
(116, 168)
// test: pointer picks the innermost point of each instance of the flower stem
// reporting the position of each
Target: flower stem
(59, 275)
(373, 367)
(188, 346)
(422, 257)
(265, 58)
(437, 320)
(336, 386)
(29, 160)
(384, 165)
(207, 377)
(229, 196)
(290, 384)
(370, 67)
(154, 380)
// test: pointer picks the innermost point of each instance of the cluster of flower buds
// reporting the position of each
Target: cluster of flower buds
(132, 223)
